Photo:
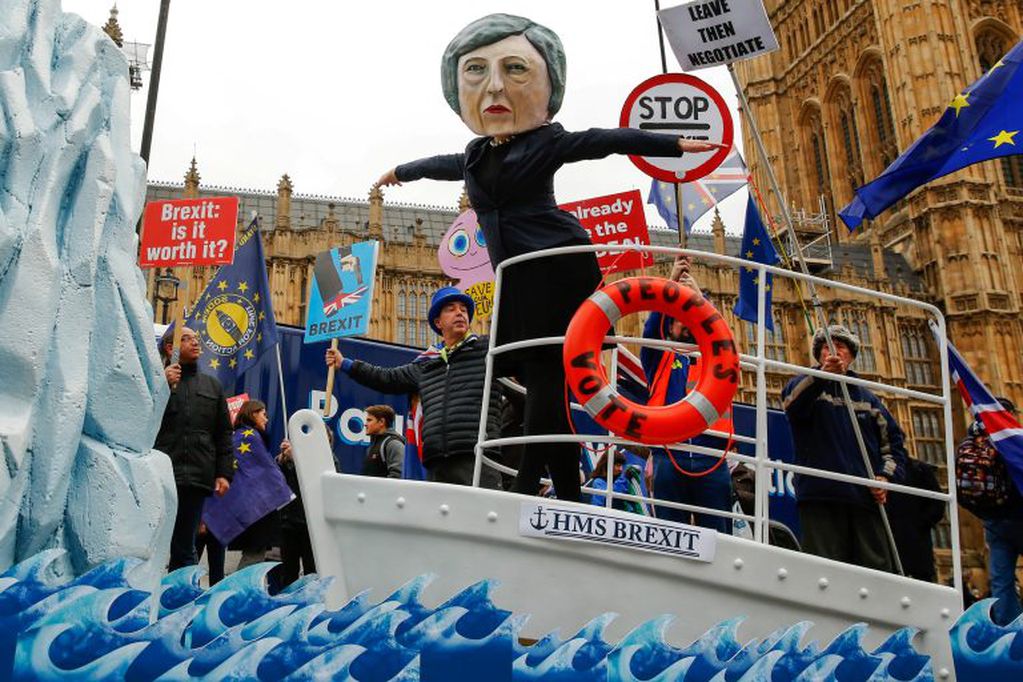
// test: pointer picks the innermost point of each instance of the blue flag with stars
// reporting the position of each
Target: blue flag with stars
(756, 247)
(233, 317)
(982, 122)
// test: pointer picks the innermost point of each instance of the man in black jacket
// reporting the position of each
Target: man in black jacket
(196, 435)
(450, 386)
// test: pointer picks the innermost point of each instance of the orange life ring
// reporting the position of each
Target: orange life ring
(719, 378)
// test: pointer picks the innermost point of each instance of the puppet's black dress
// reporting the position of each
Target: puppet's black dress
(511, 188)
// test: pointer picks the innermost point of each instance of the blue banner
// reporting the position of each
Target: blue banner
(233, 318)
(341, 297)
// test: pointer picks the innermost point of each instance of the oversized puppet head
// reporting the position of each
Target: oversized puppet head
(504, 75)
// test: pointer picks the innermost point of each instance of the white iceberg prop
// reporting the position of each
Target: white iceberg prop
(81, 385)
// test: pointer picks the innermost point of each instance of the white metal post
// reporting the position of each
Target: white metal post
(763, 473)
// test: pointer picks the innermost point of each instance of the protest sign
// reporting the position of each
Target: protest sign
(614, 219)
(707, 33)
(680, 105)
(463, 257)
(234, 404)
(341, 295)
(189, 232)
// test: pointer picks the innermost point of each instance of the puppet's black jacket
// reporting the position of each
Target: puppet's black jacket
(514, 197)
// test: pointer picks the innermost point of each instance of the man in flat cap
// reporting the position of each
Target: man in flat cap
(838, 520)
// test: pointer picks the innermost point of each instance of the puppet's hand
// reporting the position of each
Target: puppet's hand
(387, 179)
(698, 145)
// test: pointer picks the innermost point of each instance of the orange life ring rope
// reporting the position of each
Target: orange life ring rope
(701, 407)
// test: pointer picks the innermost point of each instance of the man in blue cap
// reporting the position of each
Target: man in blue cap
(450, 387)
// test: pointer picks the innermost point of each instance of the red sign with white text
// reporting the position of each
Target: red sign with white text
(615, 219)
(189, 232)
(234, 404)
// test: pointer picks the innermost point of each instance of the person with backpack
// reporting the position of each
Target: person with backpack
(386, 452)
(985, 489)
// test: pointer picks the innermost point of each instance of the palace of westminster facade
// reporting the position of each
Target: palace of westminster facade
(854, 82)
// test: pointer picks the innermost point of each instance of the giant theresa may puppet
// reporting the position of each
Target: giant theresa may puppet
(505, 76)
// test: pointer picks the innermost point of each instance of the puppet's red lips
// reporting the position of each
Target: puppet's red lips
(497, 109)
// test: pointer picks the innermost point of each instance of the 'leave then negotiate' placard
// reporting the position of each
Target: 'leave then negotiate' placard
(707, 33)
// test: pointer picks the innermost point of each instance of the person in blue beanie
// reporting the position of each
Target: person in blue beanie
(450, 386)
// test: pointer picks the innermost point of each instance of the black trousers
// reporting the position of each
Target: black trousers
(458, 469)
(216, 555)
(846, 532)
(546, 413)
(186, 527)
(296, 548)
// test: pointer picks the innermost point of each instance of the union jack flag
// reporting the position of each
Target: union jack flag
(999, 423)
(342, 299)
(699, 196)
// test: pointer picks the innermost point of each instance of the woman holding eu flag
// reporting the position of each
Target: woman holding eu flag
(505, 77)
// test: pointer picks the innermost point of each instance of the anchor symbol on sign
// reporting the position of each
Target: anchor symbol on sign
(540, 522)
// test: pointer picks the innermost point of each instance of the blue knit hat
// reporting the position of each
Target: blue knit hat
(446, 295)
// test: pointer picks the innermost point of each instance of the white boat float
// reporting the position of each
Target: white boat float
(377, 533)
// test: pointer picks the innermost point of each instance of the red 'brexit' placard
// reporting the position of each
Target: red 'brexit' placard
(189, 232)
(615, 219)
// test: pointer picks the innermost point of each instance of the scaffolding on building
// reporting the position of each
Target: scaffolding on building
(811, 234)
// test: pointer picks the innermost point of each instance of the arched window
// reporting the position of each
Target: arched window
(774, 348)
(991, 46)
(815, 160)
(916, 353)
(849, 136)
(866, 361)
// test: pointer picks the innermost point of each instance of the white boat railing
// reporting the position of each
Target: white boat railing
(758, 362)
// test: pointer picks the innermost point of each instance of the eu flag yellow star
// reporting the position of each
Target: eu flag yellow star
(1004, 137)
(232, 363)
(222, 284)
(255, 297)
(756, 241)
(249, 433)
(243, 287)
(749, 254)
(262, 316)
(960, 101)
(244, 447)
(249, 354)
(259, 337)
(214, 364)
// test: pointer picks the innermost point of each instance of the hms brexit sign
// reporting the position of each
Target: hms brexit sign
(546, 520)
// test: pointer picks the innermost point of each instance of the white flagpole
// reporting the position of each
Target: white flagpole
(280, 379)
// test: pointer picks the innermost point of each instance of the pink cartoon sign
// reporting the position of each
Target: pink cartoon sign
(463, 257)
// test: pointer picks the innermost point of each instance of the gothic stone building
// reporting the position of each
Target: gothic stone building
(854, 83)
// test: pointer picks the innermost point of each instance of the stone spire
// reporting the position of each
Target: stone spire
(284, 189)
(463, 201)
(113, 29)
(376, 213)
(877, 256)
(717, 228)
(192, 179)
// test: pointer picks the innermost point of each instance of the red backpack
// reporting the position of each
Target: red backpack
(982, 479)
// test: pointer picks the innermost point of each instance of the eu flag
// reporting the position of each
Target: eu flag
(980, 123)
(756, 247)
(233, 317)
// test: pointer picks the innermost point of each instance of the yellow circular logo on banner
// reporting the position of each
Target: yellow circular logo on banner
(229, 322)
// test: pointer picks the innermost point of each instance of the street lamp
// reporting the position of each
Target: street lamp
(166, 284)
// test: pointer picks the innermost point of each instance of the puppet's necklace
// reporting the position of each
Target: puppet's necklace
(494, 142)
